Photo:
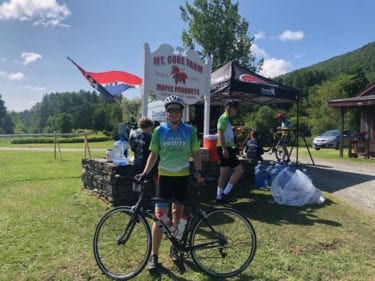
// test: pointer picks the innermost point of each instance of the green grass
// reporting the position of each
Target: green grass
(47, 223)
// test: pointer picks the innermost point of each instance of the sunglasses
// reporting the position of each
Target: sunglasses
(174, 110)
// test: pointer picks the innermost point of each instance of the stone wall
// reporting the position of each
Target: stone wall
(114, 183)
(111, 182)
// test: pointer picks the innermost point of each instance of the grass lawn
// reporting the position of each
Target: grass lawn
(47, 223)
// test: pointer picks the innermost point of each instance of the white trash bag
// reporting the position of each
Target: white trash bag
(295, 189)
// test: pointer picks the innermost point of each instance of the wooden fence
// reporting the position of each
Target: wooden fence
(56, 144)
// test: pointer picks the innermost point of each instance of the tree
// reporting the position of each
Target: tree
(6, 122)
(220, 31)
(342, 86)
(131, 109)
(61, 123)
(3, 109)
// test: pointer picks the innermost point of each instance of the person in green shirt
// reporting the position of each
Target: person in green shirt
(173, 143)
(227, 154)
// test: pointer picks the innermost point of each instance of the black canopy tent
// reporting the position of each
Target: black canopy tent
(232, 81)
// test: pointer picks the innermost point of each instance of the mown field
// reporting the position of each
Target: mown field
(47, 221)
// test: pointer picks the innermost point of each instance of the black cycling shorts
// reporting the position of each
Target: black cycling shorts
(173, 188)
(232, 161)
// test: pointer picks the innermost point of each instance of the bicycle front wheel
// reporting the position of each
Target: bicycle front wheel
(223, 243)
(122, 245)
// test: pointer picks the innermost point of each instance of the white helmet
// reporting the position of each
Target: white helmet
(174, 100)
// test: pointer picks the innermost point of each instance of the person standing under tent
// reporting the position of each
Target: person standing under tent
(227, 154)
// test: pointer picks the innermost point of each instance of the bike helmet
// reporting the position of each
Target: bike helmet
(174, 100)
(232, 103)
(281, 115)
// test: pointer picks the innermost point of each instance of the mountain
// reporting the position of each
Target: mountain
(362, 58)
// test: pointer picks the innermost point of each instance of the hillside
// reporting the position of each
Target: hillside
(363, 58)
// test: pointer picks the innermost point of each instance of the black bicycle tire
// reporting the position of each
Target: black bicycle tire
(132, 256)
(279, 150)
(268, 141)
(249, 240)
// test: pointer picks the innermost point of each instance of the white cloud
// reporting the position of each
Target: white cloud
(274, 67)
(291, 35)
(13, 76)
(35, 88)
(258, 52)
(3, 59)
(260, 35)
(41, 12)
(16, 76)
(29, 57)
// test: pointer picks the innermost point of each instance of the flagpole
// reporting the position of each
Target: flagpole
(145, 87)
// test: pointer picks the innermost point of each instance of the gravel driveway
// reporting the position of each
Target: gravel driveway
(354, 182)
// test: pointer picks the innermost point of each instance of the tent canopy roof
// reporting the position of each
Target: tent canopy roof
(232, 81)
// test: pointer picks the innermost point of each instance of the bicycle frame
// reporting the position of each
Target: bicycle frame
(206, 238)
(182, 244)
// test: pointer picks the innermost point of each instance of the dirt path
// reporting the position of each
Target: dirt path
(354, 182)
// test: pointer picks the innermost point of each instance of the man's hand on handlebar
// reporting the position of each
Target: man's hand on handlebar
(199, 176)
(140, 177)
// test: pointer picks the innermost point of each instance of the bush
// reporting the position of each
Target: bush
(62, 139)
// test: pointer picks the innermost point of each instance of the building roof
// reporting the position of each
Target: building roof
(365, 97)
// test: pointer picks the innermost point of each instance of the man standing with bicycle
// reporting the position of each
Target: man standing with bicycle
(174, 142)
(227, 154)
(286, 124)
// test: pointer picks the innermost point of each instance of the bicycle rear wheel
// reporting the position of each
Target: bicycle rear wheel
(279, 153)
(267, 139)
(228, 248)
(126, 258)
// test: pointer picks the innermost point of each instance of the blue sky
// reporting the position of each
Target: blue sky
(36, 36)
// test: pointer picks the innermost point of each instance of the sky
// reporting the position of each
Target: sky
(36, 36)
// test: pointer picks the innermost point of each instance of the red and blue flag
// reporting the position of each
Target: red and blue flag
(110, 83)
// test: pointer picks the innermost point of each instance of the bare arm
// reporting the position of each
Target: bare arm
(151, 160)
(198, 165)
(221, 137)
(197, 160)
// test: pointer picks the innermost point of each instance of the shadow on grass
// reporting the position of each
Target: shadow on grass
(262, 208)
(330, 180)
(259, 205)
(162, 272)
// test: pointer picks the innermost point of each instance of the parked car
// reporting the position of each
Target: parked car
(331, 139)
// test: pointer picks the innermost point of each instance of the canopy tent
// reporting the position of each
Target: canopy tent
(232, 81)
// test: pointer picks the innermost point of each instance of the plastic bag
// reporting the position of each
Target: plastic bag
(295, 189)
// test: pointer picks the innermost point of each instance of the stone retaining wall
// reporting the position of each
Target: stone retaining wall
(114, 183)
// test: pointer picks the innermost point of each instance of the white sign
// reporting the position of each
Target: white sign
(156, 111)
(173, 73)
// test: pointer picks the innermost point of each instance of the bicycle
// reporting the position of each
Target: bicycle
(274, 145)
(221, 242)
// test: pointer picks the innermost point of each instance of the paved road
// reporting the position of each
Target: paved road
(354, 182)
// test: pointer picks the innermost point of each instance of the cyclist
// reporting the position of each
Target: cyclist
(286, 124)
(227, 153)
(174, 142)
